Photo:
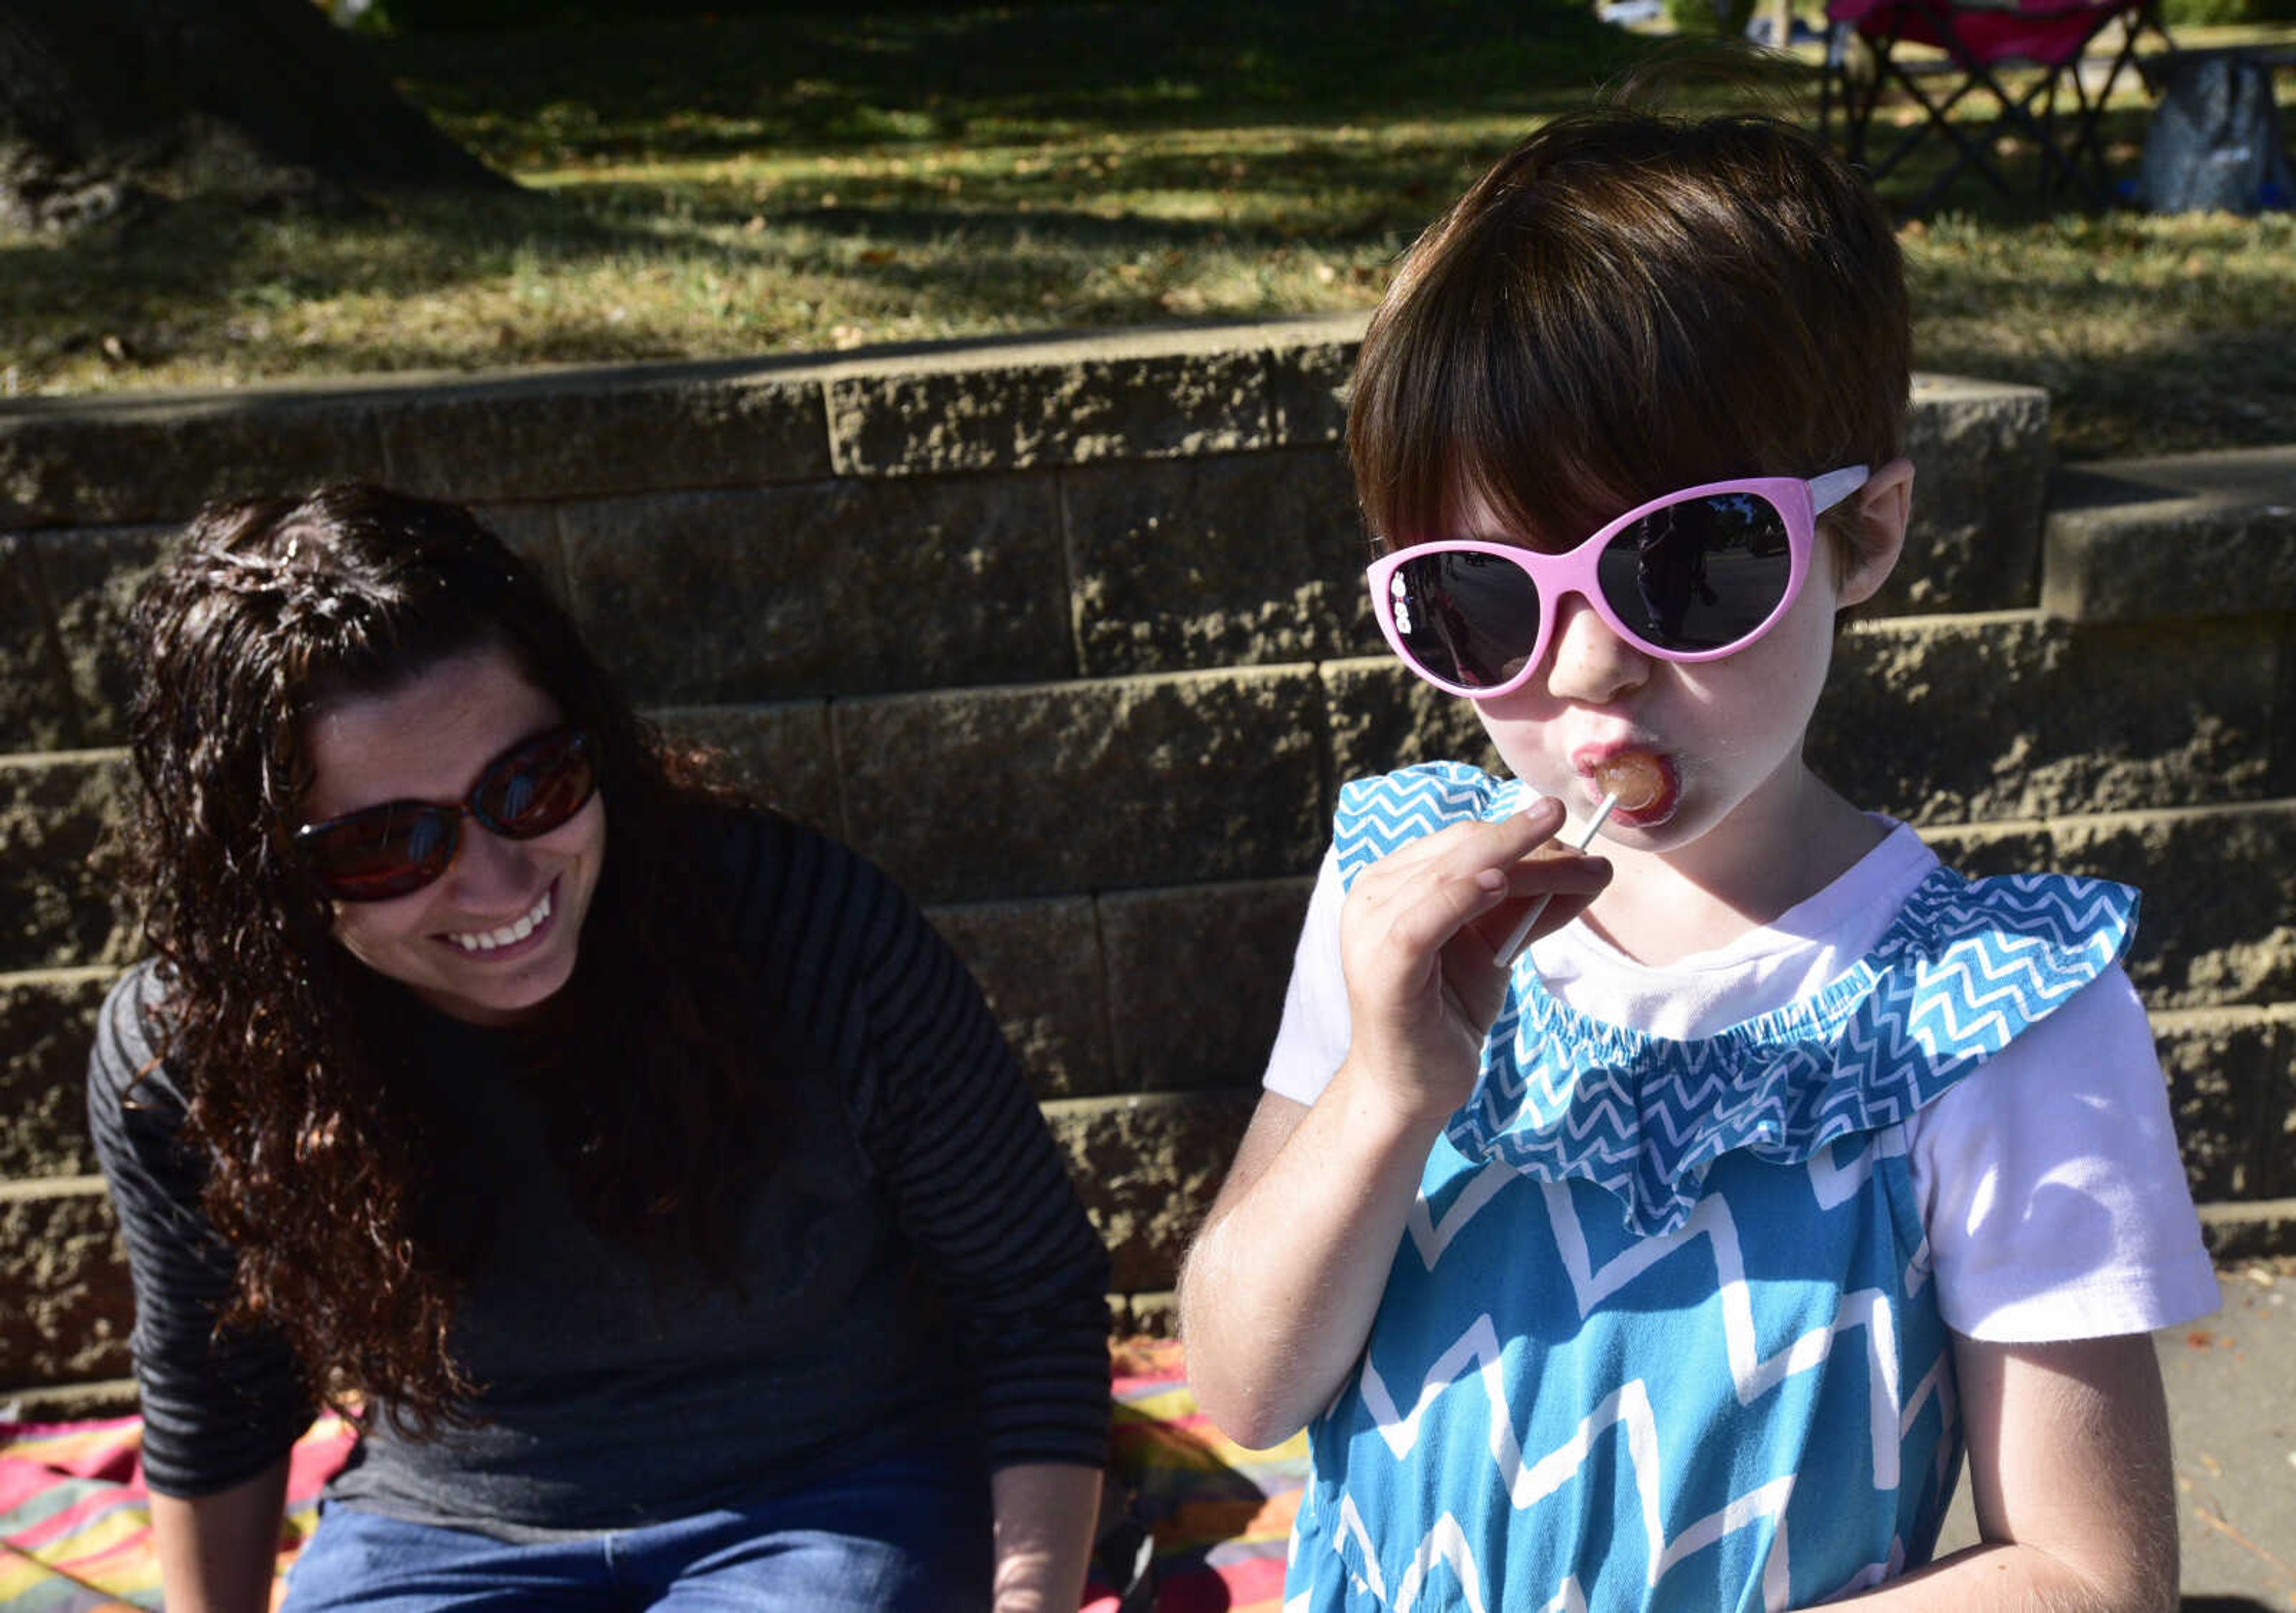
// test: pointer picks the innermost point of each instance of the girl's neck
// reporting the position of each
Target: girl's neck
(1765, 858)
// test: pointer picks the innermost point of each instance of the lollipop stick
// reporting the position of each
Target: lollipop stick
(1521, 936)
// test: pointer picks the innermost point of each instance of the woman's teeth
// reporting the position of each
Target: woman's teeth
(509, 935)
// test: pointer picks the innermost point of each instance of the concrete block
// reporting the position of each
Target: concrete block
(781, 754)
(2250, 1231)
(1010, 405)
(37, 709)
(65, 1274)
(1310, 362)
(72, 1402)
(1046, 789)
(92, 574)
(577, 433)
(2281, 779)
(1147, 1169)
(61, 903)
(2192, 534)
(160, 456)
(530, 531)
(1197, 977)
(2228, 1082)
(1232, 560)
(831, 588)
(1959, 719)
(1382, 717)
(1980, 453)
(1154, 1316)
(47, 1023)
(1039, 965)
(2218, 927)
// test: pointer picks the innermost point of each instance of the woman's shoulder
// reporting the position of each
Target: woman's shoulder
(781, 876)
(129, 1035)
(129, 1040)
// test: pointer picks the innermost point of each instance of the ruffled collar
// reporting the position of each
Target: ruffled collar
(1964, 968)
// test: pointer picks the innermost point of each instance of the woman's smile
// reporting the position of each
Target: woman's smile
(513, 939)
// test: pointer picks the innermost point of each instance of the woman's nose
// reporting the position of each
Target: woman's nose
(490, 869)
(1590, 664)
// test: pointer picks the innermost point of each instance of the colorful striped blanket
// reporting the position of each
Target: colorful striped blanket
(76, 1520)
(1211, 1519)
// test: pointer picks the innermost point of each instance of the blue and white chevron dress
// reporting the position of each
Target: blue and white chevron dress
(1661, 1333)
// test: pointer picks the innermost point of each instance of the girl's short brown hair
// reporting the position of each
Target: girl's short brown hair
(1629, 303)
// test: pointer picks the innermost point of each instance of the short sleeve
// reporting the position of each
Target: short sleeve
(2051, 1185)
(1312, 1041)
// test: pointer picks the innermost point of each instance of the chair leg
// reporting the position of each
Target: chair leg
(1970, 150)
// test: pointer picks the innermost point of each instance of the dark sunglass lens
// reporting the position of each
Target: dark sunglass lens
(383, 853)
(538, 788)
(1470, 620)
(1701, 574)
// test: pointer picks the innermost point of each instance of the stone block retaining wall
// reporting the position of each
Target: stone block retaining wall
(1069, 637)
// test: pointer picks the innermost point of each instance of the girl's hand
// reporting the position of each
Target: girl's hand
(1417, 936)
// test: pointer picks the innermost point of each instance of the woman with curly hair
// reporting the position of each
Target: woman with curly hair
(637, 1167)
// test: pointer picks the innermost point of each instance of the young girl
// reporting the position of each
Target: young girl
(1671, 1263)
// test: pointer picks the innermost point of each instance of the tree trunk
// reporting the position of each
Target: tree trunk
(103, 101)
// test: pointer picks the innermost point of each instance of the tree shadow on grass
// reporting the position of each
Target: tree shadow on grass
(572, 94)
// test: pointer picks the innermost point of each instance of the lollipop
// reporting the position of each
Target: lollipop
(1633, 778)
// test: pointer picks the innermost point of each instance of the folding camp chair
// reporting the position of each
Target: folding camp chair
(1979, 39)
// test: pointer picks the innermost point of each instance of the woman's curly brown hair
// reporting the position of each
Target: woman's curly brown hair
(323, 1159)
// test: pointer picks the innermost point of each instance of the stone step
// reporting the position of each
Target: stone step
(1032, 511)
(1147, 1167)
(2192, 534)
(1204, 970)
(1228, 774)
(64, 1272)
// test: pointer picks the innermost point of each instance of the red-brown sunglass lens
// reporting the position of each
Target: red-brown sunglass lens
(386, 853)
(534, 790)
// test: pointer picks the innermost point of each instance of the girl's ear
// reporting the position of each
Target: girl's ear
(1885, 505)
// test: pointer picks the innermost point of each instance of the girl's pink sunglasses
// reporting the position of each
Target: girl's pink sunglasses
(1691, 577)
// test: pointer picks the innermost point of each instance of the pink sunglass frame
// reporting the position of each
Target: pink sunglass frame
(1578, 570)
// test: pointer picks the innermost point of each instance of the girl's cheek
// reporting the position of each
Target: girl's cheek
(1520, 744)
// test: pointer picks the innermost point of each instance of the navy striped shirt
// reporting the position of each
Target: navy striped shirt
(917, 1261)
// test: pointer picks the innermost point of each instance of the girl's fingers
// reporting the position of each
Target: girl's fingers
(1419, 916)
(1501, 926)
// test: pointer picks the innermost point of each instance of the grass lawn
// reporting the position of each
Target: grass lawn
(828, 181)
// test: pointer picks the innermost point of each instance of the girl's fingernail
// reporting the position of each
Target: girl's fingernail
(1491, 879)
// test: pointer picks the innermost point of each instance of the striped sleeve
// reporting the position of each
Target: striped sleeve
(946, 1117)
(218, 1408)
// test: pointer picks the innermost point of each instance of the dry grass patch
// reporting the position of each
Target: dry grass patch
(827, 183)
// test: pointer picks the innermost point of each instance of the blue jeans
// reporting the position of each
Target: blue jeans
(909, 1534)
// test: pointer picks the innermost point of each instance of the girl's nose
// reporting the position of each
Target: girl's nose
(1591, 665)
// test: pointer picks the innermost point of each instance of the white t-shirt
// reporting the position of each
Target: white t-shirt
(2049, 1179)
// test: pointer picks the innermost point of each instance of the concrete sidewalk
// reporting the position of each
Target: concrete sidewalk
(2231, 1405)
